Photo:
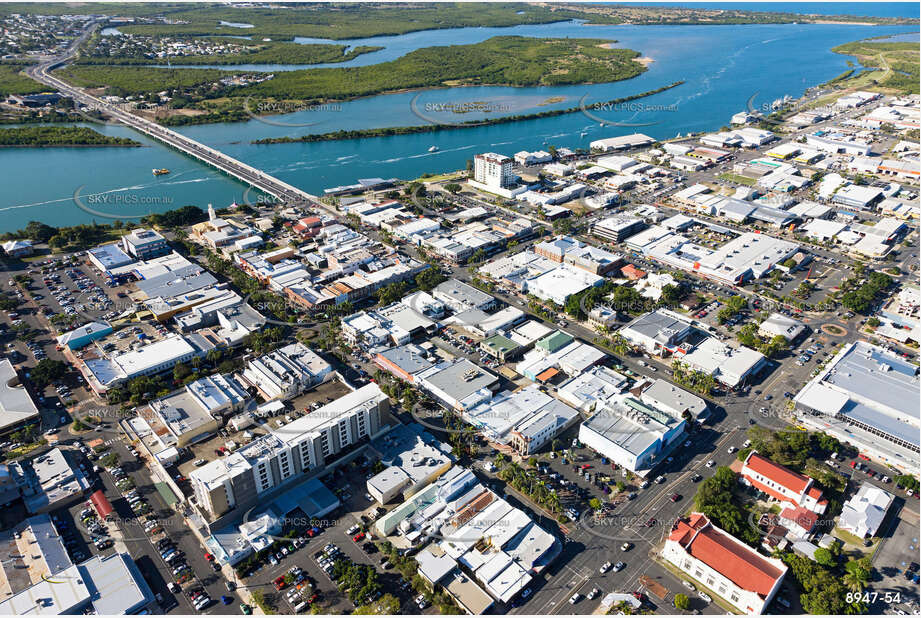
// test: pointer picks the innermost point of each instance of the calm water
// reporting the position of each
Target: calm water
(864, 9)
(723, 67)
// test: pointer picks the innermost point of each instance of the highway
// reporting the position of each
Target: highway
(230, 166)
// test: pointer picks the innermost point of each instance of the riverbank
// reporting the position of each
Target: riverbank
(433, 128)
(58, 136)
(516, 61)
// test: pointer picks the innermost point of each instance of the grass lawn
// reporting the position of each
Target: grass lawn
(742, 180)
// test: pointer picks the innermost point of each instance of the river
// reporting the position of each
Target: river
(723, 68)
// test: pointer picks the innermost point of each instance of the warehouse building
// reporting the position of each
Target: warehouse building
(622, 142)
(868, 397)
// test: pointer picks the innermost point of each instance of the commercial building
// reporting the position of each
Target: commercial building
(18, 248)
(732, 366)
(500, 347)
(631, 433)
(195, 412)
(276, 459)
(564, 249)
(109, 258)
(748, 256)
(460, 296)
(405, 361)
(658, 332)
(145, 244)
(413, 460)
(622, 142)
(617, 227)
(498, 544)
(777, 324)
(526, 419)
(287, 372)
(865, 511)
(493, 170)
(425, 304)
(868, 397)
(16, 406)
(665, 396)
(49, 481)
(562, 282)
(84, 335)
(109, 585)
(858, 197)
(458, 385)
(725, 565)
(590, 389)
(557, 352)
(781, 484)
(396, 323)
(837, 144)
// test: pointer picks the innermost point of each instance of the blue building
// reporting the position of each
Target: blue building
(85, 335)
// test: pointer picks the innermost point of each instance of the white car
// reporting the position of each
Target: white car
(688, 584)
(604, 568)
(703, 595)
(711, 463)
(575, 598)
(594, 593)
(731, 450)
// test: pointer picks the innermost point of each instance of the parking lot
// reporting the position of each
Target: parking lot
(298, 560)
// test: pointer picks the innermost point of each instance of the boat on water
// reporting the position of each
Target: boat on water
(159, 171)
(433, 149)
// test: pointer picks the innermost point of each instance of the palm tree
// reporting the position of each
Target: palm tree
(855, 579)
(619, 345)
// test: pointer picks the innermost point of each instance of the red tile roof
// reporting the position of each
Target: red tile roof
(632, 272)
(739, 563)
(815, 492)
(796, 483)
(804, 518)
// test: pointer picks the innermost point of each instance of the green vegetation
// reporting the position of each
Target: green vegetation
(898, 65)
(429, 278)
(434, 128)
(358, 581)
(737, 178)
(681, 601)
(408, 569)
(92, 234)
(14, 81)
(122, 81)
(60, 136)
(748, 336)
(528, 483)
(860, 297)
(657, 15)
(47, 371)
(715, 500)
(732, 306)
(907, 481)
(347, 21)
(698, 381)
(824, 590)
(840, 78)
(257, 53)
(387, 605)
(506, 60)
